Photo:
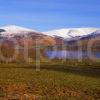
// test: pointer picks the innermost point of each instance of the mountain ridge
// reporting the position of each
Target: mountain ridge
(65, 33)
(14, 30)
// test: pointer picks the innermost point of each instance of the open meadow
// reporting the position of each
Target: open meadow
(54, 81)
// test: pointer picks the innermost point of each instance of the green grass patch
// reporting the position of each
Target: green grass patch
(61, 81)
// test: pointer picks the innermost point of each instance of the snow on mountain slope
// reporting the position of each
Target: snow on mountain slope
(14, 30)
(96, 32)
(68, 33)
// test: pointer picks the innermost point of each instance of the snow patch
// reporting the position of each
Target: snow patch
(71, 32)
(15, 30)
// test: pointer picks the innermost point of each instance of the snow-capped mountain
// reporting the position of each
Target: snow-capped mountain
(11, 30)
(18, 33)
(51, 38)
(69, 33)
(96, 32)
(65, 33)
(92, 35)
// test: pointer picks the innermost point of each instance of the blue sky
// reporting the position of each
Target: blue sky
(46, 15)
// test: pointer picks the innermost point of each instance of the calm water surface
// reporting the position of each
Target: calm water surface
(71, 54)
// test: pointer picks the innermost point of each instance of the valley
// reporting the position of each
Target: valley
(41, 66)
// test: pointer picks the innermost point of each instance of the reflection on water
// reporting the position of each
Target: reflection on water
(71, 54)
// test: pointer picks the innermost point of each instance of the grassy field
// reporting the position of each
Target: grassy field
(54, 81)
